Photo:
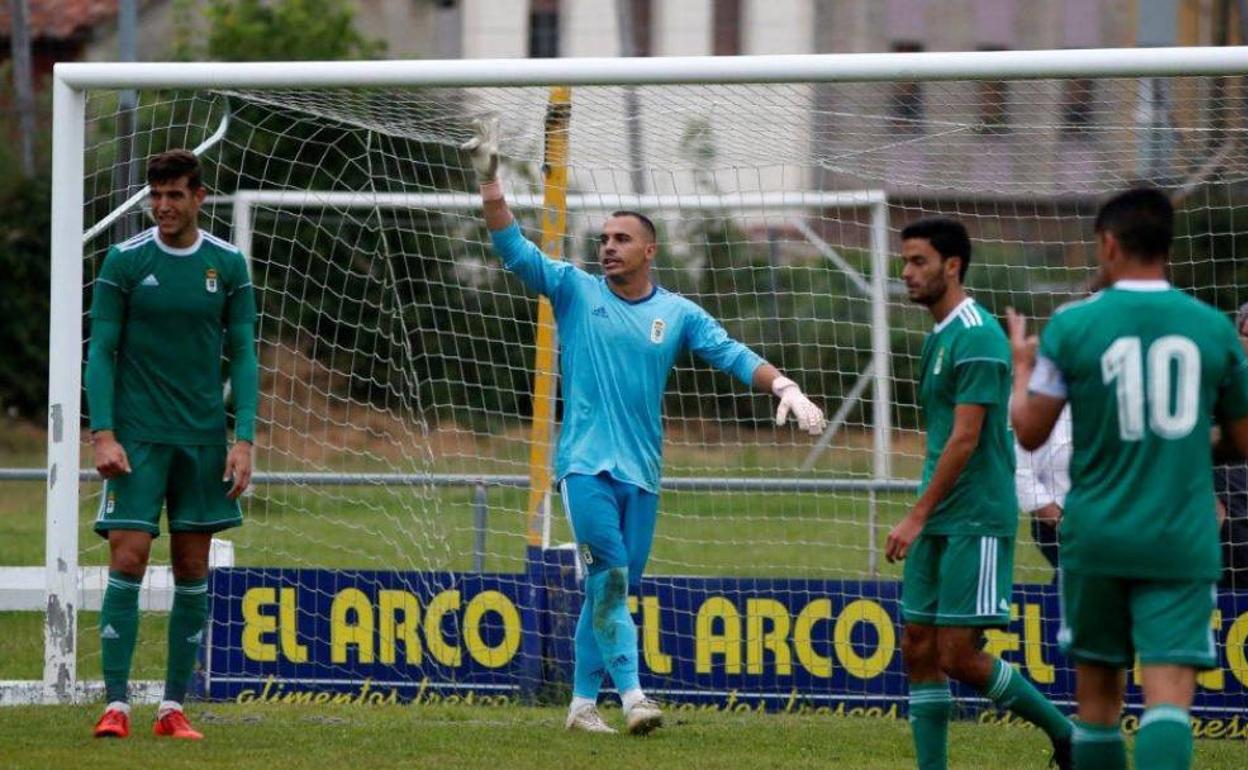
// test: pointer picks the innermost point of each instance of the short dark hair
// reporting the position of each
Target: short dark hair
(172, 165)
(947, 236)
(640, 217)
(1142, 220)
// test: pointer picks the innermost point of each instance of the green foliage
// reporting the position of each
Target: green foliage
(25, 246)
(284, 30)
(25, 270)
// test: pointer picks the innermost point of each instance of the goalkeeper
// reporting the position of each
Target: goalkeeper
(620, 336)
(164, 303)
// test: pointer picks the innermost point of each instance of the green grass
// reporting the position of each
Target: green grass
(742, 534)
(21, 646)
(448, 737)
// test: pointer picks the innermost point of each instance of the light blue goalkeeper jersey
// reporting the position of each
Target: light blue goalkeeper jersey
(615, 357)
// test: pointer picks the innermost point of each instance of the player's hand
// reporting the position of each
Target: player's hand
(110, 456)
(482, 148)
(902, 537)
(793, 401)
(1050, 514)
(1022, 346)
(238, 469)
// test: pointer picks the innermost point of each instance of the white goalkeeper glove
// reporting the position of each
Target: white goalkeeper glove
(482, 148)
(809, 417)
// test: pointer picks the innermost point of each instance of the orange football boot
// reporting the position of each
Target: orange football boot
(174, 725)
(114, 724)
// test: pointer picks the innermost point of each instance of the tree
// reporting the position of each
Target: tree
(285, 30)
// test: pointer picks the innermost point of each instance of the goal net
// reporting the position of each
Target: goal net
(401, 541)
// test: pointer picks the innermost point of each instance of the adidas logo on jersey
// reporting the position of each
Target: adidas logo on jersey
(150, 280)
(109, 632)
(601, 312)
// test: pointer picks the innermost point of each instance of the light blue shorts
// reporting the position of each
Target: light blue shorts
(612, 522)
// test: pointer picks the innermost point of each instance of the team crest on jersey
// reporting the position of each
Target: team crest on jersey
(657, 328)
(940, 361)
(210, 281)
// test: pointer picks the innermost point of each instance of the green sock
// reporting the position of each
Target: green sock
(930, 706)
(1099, 747)
(186, 631)
(1164, 741)
(1010, 690)
(119, 629)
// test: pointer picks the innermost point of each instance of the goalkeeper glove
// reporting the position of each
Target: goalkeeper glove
(809, 417)
(482, 148)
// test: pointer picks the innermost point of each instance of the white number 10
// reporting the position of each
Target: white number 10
(1168, 417)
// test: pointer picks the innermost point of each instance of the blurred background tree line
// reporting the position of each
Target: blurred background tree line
(417, 321)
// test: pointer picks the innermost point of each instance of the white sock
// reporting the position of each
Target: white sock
(166, 706)
(579, 703)
(117, 705)
(632, 698)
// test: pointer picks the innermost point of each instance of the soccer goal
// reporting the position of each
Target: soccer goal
(401, 542)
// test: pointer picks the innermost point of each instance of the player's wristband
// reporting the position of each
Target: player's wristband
(492, 190)
(780, 384)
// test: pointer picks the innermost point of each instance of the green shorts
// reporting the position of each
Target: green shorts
(1108, 620)
(184, 479)
(958, 580)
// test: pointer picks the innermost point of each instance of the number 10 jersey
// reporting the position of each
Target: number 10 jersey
(1146, 369)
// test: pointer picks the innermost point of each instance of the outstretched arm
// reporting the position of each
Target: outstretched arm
(792, 400)
(710, 342)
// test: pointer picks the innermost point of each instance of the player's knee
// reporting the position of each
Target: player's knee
(128, 561)
(955, 661)
(615, 586)
(917, 646)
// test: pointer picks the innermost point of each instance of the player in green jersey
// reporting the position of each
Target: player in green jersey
(166, 302)
(1146, 369)
(958, 539)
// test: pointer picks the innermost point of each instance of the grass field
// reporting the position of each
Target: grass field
(766, 535)
(517, 738)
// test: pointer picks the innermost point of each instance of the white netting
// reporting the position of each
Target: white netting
(392, 342)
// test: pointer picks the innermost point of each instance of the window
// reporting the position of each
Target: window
(907, 97)
(726, 28)
(543, 29)
(1076, 105)
(638, 20)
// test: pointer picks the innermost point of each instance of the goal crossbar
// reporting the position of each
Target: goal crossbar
(972, 65)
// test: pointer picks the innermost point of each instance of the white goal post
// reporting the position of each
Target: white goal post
(73, 82)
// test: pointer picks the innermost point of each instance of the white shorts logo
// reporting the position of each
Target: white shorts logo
(656, 330)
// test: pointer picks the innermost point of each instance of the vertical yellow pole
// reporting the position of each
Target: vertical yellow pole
(554, 225)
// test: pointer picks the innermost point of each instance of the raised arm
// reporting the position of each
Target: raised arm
(1036, 399)
(519, 255)
(482, 149)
